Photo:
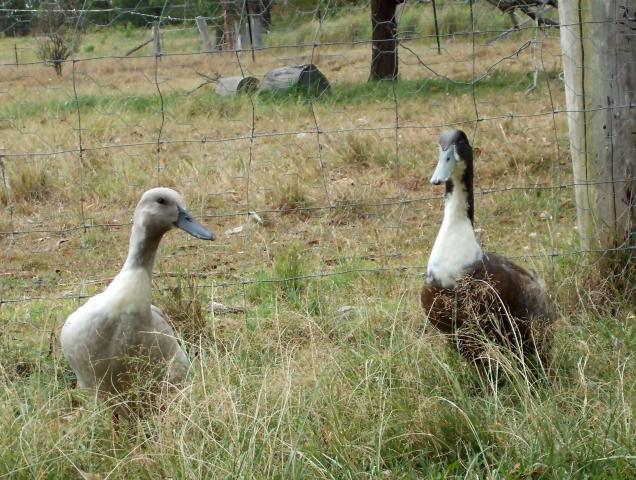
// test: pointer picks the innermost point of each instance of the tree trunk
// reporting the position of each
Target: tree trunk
(230, 86)
(266, 10)
(599, 47)
(384, 54)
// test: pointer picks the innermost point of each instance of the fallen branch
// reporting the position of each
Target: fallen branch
(139, 47)
(208, 80)
(219, 308)
(516, 28)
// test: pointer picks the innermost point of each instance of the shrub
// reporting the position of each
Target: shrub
(61, 35)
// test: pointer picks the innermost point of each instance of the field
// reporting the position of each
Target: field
(332, 370)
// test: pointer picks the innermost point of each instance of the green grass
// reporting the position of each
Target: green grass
(332, 371)
(204, 102)
(107, 103)
(357, 93)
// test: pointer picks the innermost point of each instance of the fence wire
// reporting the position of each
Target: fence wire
(337, 178)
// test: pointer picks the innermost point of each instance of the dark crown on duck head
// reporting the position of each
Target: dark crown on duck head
(459, 139)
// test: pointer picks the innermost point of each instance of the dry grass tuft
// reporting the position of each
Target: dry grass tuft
(184, 305)
(489, 338)
(289, 196)
(485, 333)
(351, 205)
(28, 182)
(364, 150)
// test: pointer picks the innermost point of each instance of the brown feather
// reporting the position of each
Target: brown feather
(498, 300)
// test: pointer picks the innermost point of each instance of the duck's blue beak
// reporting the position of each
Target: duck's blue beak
(187, 223)
(445, 165)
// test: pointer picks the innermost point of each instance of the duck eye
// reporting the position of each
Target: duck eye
(161, 200)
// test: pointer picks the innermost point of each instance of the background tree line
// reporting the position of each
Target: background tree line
(25, 17)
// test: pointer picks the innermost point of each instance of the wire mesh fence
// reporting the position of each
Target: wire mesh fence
(301, 186)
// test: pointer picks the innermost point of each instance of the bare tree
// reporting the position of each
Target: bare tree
(54, 50)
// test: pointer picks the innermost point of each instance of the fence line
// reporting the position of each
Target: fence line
(460, 65)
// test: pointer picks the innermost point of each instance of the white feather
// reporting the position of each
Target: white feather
(119, 333)
(456, 246)
(116, 327)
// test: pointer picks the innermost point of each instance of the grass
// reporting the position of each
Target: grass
(352, 23)
(289, 196)
(332, 371)
(185, 305)
(371, 398)
(226, 107)
(106, 103)
(364, 150)
(27, 182)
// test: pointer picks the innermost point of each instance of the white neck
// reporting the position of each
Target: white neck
(142, 249)
(133, 284)
(455, 247)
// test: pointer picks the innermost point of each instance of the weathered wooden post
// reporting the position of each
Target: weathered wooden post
(257, 23)
(156, 39)
(228, 24)
(599, 64)
(205, 34)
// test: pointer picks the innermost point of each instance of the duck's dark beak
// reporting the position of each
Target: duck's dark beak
(445, 166)
(187, 223)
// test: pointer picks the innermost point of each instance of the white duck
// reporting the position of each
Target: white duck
(119, 334)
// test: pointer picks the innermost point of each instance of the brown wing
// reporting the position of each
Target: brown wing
(521, 292)
(439, 305)
(497, 298)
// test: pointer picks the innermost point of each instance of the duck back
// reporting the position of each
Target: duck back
(496, 299)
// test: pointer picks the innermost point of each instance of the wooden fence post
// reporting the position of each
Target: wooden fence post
(228, 25)
(599, 52)
(205, 34)
(156, 40)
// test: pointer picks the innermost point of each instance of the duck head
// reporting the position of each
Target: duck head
(161, 209)
(454, 151)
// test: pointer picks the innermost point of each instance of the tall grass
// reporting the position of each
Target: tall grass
(27, 181)
(368, 395)
(414, 20)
